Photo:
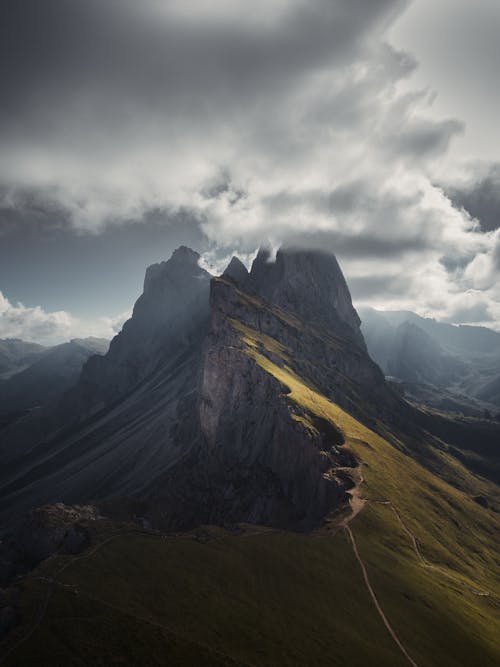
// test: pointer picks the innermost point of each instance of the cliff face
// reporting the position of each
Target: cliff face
(170, 317)
(115, 430)
(309, 284)
(251, 429)
(180, 420)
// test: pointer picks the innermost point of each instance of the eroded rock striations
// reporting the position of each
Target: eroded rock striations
(180, 423)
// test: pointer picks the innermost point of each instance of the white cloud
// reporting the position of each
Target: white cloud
(50, 328)
(298, 123)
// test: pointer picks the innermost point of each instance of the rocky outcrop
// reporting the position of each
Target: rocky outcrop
(46, 531)
(236, 271)
(254, 433)
(181, 425)
(309, 284)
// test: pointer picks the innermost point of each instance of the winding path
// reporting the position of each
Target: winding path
(356, 504)
(424, 561)
(375, 600)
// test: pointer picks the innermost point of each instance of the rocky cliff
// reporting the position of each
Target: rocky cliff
(181, 422)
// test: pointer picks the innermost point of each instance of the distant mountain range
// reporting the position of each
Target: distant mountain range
(16, 354)
(455, 368)
(246, 486)
(35, 376)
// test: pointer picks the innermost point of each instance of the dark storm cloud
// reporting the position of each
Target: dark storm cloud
(456, 262)
(79, 60)
(103, 99)
(30, 211)
(216, 123)
(496, 255)
(480, 197)
(359, 246)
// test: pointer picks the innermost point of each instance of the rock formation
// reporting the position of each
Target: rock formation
(179, 423)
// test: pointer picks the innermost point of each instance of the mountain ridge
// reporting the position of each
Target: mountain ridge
(328, 490)
(183, 320)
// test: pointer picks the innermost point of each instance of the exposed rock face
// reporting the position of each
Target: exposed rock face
(181, 421)
(237, 271)
(253, 432)
(115, 430)
(169, 316)
(310, 284)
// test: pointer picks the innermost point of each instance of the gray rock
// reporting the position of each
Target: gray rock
(310, 284)
(178, 425)
(236, 271)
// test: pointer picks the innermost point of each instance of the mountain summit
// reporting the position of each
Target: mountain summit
(181, 416)
(310, 284)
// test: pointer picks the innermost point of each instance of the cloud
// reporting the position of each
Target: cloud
(477, 312)
(33, 324)
(49, 328)
(294, 122)
(121, 107)
(478, 192)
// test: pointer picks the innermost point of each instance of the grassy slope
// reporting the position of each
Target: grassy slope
(456, 536)
(263, 599)
(272, 598)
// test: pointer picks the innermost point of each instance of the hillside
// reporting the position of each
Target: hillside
(260, 596)
(256, 493)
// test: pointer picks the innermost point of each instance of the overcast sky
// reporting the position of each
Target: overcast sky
(368, 127)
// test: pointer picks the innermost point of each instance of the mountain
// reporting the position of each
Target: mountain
(417, 357)
(235, 483)
(309, 284)
(173, 414)
(114, 431)
(16, 354)
(451, 367)
(47, 377)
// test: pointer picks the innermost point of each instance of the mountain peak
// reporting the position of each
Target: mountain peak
(185, 254)
(182, 265)
(309, 283)
(236, 270)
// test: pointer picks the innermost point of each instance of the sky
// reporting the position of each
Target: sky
(364, 127)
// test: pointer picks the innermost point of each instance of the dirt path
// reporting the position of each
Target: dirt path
(375, 600)
(424, 561)
(356, 502)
